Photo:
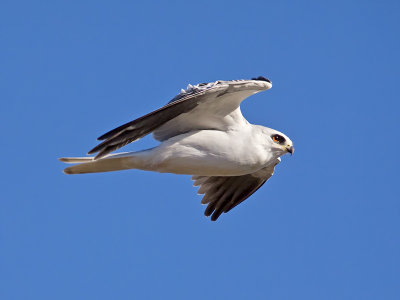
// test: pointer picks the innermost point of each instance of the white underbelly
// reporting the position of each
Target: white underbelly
(209, 153)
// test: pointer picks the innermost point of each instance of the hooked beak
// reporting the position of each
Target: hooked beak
(290, 149)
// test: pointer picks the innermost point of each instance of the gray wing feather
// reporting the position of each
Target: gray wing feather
(222, 193)
(142, 126)
(185, 102)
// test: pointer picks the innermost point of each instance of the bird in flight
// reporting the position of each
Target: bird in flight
(204, 134)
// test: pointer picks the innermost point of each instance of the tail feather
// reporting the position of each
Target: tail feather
(75, 160)
(114, 162)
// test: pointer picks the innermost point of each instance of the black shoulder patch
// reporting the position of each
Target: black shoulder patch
(262, 78)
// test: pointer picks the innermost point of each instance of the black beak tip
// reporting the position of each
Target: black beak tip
(290, 150)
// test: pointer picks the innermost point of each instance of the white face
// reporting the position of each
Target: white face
(280, 142)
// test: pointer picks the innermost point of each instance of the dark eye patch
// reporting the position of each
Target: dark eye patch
(278, 138)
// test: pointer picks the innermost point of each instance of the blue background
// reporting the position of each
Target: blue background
(326, 226)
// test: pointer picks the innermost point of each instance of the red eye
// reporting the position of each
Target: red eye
(278, 138)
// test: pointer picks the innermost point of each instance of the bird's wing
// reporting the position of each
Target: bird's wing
(222, 193)
(204, 106)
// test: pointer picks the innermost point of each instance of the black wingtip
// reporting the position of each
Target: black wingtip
(261, 78)
(104, 136)
(216, 215)
(95, 149)
(210, 208)
(211, 211)
(101, 152)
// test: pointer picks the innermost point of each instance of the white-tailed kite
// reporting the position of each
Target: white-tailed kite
(204, 134)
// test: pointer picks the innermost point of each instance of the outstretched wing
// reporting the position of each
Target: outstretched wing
(222, 193)
(203, 106)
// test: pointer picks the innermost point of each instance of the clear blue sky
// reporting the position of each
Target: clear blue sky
(326, 226)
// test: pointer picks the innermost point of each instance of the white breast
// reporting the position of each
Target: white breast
(213, 153)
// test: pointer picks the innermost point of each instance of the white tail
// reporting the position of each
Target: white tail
(75, 160)
(114, 162)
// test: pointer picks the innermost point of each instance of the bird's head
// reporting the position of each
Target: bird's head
(279, 142)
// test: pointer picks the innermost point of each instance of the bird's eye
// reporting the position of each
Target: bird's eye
(278, 138)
